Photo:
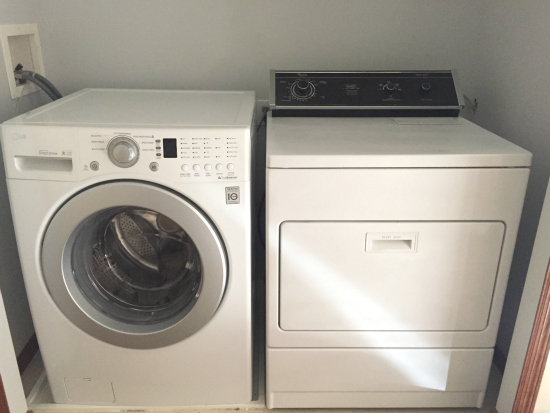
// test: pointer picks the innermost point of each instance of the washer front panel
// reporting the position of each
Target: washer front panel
(88, 303)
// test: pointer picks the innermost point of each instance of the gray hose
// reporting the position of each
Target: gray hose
(27, 76)
(46, 82)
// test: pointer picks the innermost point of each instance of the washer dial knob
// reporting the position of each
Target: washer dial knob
(123, 151)
(302, 89)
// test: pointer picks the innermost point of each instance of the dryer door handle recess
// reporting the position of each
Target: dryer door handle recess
(391, 242)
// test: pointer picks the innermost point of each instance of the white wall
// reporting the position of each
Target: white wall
(11, 281)
(515, 103)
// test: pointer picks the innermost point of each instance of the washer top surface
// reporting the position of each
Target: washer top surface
(108, 107)
(297, 142)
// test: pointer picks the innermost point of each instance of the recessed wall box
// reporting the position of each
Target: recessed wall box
(21, 44)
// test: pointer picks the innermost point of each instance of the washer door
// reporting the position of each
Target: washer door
(134, 264)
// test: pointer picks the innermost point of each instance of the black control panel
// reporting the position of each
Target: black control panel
(406, 93)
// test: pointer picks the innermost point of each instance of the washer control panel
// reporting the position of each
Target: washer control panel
(196, 155)
(356, 91)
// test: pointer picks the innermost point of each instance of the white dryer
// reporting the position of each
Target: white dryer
(132, 216)
(389, 241)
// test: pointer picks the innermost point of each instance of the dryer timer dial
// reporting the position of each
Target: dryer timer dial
(123, 151)
(302, 89)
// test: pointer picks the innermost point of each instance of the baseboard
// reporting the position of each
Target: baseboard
(374, 400)
(27, 354)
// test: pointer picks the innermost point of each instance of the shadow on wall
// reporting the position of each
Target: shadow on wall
(11, 278)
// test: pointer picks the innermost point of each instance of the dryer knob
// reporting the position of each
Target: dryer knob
(123, 151)
(302, 89)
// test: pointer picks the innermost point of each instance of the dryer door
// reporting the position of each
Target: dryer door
(134, 264)
(388, 276)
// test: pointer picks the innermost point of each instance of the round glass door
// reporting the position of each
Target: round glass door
(134, 264)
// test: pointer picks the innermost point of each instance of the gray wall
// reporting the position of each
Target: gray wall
(226, 44)
(232, 44)
(497, 46)
(11, 281)
(515, 103)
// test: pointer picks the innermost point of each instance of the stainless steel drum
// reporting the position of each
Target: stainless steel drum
(140, 259)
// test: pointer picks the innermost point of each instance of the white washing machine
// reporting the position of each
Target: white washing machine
(132, 216)
(390, 228)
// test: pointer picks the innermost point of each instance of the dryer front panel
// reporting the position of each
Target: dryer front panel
(388, 276)
(134, 264)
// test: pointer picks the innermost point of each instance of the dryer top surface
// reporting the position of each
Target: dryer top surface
(143, 108)
(295, 142)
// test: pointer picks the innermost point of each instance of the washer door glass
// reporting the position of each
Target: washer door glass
(134, 264)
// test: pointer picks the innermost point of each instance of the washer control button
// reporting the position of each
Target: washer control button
(153, 166)
(123, 151)
(207, 167)
(94, 166)
(196, 167)
(185, 167)
(230, 166)
(219, 167)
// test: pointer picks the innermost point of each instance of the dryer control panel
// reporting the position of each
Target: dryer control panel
(396, 93)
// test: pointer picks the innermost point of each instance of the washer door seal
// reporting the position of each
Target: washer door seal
(66, 290)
